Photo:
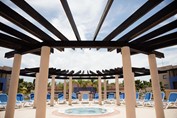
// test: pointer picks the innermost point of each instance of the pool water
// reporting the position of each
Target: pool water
(85, 111)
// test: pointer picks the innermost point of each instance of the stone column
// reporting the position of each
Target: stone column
(105, 89)
(70, 91)
(43, 80)
(10, 108)
(128, 84)
(133, 80)
(117, 90)
(52, 91)
(35, 90)
(156, 86)
(99, 90)
(64, 89)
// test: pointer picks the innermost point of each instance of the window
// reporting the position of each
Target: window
(1, 86)
(166, 86)
(164, 76)
(175, 85)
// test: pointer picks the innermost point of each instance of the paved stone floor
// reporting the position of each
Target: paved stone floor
(119, 112)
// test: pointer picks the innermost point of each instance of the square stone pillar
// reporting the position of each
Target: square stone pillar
(134, 88)
(156, 86)
(117, 90)
(105, 89)
(64, 91)
(36, 90)
(99, 90)
(10, 108)
(128, 83)
(43, 80)
(70, 91)
(52, 91)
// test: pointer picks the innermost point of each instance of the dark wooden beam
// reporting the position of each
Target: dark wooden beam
(17, 34)
(105, 12)
(9, 45)
(99, 72)
(77, 72)
(22, 51)
(20, 21)
(133, 18)
(65, 73)
(135, 49)
(169, 43)
(70, 18)
(84, 44)
(157, 18)
(79, 44)
(34, 14)
(71, 72)
(170, 26)
(160, 40)
(15, 41)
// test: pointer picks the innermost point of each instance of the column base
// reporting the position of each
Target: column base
(118, 104)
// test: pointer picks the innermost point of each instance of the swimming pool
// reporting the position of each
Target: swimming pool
(85, 111)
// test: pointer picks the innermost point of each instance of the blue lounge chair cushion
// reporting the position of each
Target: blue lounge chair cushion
(172, 97)
(96, 96)
(122, 96)
(3, 98)
(111, 96)
(74, 96)
(32, 96)
(60, 96)
(147, 96)
(85, 97)
(20, 97)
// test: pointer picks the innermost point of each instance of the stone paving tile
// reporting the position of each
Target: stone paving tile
(52, 112)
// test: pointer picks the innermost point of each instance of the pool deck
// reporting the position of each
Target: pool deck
(52, 112)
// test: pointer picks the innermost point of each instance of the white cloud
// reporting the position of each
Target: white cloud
(175, 16)
(85, 60)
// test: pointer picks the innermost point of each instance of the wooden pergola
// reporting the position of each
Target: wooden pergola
(64, 74)
(133, 42)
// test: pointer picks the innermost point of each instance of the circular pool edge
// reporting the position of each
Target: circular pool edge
(88, 111)
(61, 114)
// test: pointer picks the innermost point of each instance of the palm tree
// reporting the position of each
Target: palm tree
(80, 82)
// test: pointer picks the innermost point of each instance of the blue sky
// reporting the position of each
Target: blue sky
(87, 14)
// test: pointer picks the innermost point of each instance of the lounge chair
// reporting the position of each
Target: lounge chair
(110, 99)
(122, 97)
(151, 103)
(137, 96)
(96, 98)
(172, 100)
(30, 101)
(3, 100)
(48, 97)
(20, 97)
(32, 97)
(163, 96)
(61, 99)
(147, 99)
(20, 100)
(85, 98)
(74, 98)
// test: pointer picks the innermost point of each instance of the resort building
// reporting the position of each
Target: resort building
(4, 79)
(169, 78)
